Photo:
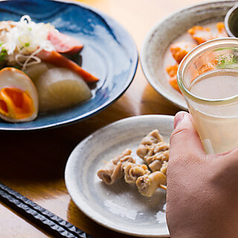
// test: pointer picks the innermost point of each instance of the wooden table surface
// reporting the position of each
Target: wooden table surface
(33, 163)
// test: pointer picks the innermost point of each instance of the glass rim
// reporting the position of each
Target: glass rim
(211, 44)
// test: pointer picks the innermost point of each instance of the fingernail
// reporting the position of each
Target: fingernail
(178, 118)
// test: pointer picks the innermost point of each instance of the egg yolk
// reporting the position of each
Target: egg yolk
(15, 103)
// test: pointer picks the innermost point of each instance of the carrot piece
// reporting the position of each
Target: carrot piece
(59, 60)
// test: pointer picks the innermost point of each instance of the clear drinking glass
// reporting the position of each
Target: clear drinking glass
(208, 79)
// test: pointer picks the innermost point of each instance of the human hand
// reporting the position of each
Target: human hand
(202, 190)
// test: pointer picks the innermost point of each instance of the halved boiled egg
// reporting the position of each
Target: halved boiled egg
(18, 96)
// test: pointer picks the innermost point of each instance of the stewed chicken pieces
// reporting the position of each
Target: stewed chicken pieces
(172, 72)
(147, 176)
(198, 34)
(153, 150)
(180, 49)
(133, 171)
(113, 169)
(221, 30)
(201, 34)
(147, 184)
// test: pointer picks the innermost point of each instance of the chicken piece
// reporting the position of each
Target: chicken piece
(153, 150)
(180, 49)
(133, 171)
(155, 164)
(113, 170)
(172, 72)
(155, 161)
(174, 84)
(221, 30)
(201, 34)
(148, 183)
(149, 140)
(156, 150)
(160, 146)
(164, 167)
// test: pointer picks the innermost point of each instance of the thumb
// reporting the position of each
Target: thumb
(184, 140)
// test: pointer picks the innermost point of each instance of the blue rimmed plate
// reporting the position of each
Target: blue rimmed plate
(109, 53)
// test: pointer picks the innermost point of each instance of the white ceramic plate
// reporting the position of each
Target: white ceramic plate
(156, 44)
(119, 207)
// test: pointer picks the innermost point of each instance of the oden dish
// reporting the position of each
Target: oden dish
(102, 38)
(32, 51)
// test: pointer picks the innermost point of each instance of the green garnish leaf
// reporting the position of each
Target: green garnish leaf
(3, 54)
(227, 61)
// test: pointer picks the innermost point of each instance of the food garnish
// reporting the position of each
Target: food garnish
(227, 61)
